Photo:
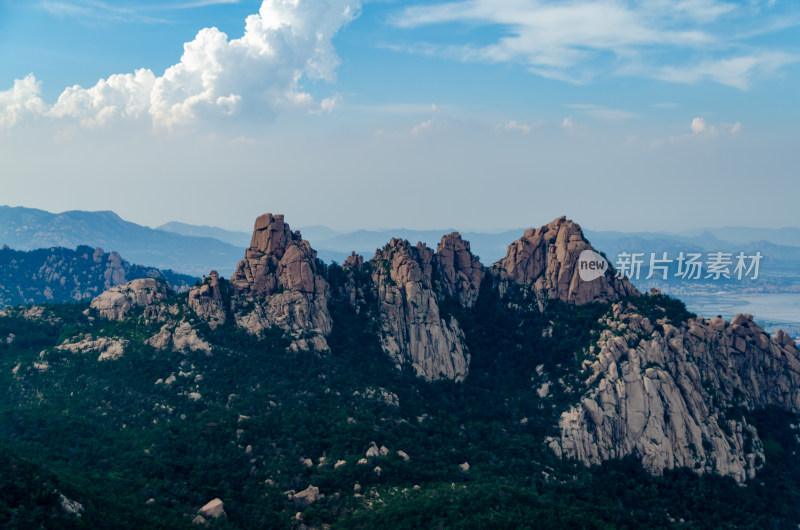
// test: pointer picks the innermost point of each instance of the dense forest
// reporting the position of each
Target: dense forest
(145, 440)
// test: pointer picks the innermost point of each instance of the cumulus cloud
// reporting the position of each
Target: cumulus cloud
(568, 125)
(698, 125)
(258, 74)
(579, 40)
(21, 101)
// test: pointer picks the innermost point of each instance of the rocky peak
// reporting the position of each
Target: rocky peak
(354, 262)
(412, 329)
(278, 259)
(206, 300)
(547, 259)
(271, 235)
(402, 263)
(458, 271)
(280, 273)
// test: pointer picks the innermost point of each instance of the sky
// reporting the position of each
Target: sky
(477, 115)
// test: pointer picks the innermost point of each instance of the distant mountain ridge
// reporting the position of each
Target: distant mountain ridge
(195, 249)
(29, 228)
(238, 239)
(65, 275)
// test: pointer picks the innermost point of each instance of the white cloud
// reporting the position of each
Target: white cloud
(578, 40)
(120, 96)
(514, 125)
(737, 72)
(421, 127)
(701, 130)
(21, 101)
(698, 125)
(602, 113)
(328, 104)
(258, 73)
(122, 11)
(568, 125)
(400, 108)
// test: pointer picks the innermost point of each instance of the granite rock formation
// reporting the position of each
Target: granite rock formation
(412, 329)
(546, 261)
(459, 272)
(665, 393)
(206, 300)
(280, 283)
(118, 302)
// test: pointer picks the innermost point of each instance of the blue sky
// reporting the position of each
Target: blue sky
(621, 114)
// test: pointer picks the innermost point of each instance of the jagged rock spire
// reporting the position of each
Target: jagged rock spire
(459, 272)
(281, 276)
(547, 258)
(412, 329)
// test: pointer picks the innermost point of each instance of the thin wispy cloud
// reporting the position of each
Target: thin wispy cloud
(131, 12)
(685, 41)
(90, 10)
(601, 112)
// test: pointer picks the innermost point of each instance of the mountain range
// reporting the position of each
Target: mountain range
(60, 274)
(196, 249)
(29, 229)
(417, 388)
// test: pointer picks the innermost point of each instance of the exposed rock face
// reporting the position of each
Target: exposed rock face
(459, 273)
(109, 348)
(117, 302)
(278, 259)
(412, 330)
(663, 397)
(183, 337)
(206, 300)
(115, 272)
(548, 258)
(69, 506)
(280, 276)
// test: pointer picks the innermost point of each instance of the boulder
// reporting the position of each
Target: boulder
(214, 509)
(373, 450)
(308, 496)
